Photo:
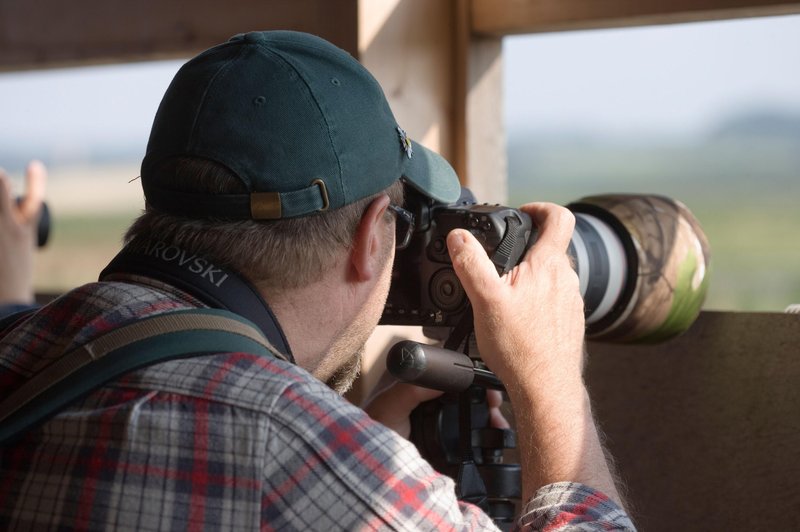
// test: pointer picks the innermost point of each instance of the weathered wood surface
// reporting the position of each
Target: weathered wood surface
(507, 17)
(51, 33)
(705, 428)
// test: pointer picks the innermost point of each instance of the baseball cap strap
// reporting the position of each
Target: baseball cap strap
(254, 206)
(274, 205)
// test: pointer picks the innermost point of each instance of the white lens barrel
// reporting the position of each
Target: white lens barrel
(601, 265)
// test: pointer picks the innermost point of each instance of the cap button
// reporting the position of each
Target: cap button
(254, 37)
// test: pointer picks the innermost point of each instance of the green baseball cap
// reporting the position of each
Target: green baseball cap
(300, 122)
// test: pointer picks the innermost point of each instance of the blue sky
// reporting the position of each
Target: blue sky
(105, 104)
(673, 79)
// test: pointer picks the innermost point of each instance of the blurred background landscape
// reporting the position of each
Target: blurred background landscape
(741, 180)
(707, 113)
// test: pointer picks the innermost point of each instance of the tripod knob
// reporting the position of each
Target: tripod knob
(430, 366)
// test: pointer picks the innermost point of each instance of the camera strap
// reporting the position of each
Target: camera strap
(182, 333)
(214, 285)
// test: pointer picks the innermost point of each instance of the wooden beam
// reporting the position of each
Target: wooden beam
(444, 86)
(53, 33)
(479, 147)
(407, 46)
(507, 17)
(445, 89)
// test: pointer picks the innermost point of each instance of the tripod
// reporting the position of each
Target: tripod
(453, 432)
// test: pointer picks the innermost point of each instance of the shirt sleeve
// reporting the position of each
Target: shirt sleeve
(575, 507)
(331, 467)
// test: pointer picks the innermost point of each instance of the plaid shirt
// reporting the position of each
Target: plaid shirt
(230, 441)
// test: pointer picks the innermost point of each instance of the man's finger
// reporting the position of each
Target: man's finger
(554, 223)
(494, 399)
(6, 201)
(35, 183)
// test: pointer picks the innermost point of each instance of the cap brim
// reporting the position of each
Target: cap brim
(431, 174)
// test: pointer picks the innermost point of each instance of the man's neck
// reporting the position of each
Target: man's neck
(311, 317)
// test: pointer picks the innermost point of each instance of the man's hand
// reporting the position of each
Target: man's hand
(18, 226)
(529, 326)
(393, 405)
(529, 323)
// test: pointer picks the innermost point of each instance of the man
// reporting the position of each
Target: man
(274, 180)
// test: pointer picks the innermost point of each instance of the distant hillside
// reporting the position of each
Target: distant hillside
(15, 158)
(741, 181)
(764, 123)
(751, 149)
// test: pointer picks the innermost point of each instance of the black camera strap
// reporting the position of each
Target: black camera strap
(212, 284)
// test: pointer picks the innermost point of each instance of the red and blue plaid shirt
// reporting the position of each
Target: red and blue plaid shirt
(230, 441)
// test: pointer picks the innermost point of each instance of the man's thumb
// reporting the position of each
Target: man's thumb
(471, 263)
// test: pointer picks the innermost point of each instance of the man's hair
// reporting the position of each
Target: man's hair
(285, 253)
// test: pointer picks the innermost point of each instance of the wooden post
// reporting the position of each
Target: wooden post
(444, 86)
(445, 90)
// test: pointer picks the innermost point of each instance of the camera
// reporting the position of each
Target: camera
(642, 262)
(43, 225)
(425, 289)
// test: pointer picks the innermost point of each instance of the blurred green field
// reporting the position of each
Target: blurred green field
(79, 247)
(744, 192)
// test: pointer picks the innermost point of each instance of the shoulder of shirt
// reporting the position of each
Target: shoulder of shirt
(82, 314)
(243, 380)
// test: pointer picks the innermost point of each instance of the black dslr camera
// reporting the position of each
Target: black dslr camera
(425, 289)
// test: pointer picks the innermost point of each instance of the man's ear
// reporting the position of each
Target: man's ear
(370, 240)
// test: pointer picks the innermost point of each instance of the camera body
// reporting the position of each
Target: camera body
(425, 289)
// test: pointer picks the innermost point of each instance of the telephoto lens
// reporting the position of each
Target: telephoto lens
(643, 264)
